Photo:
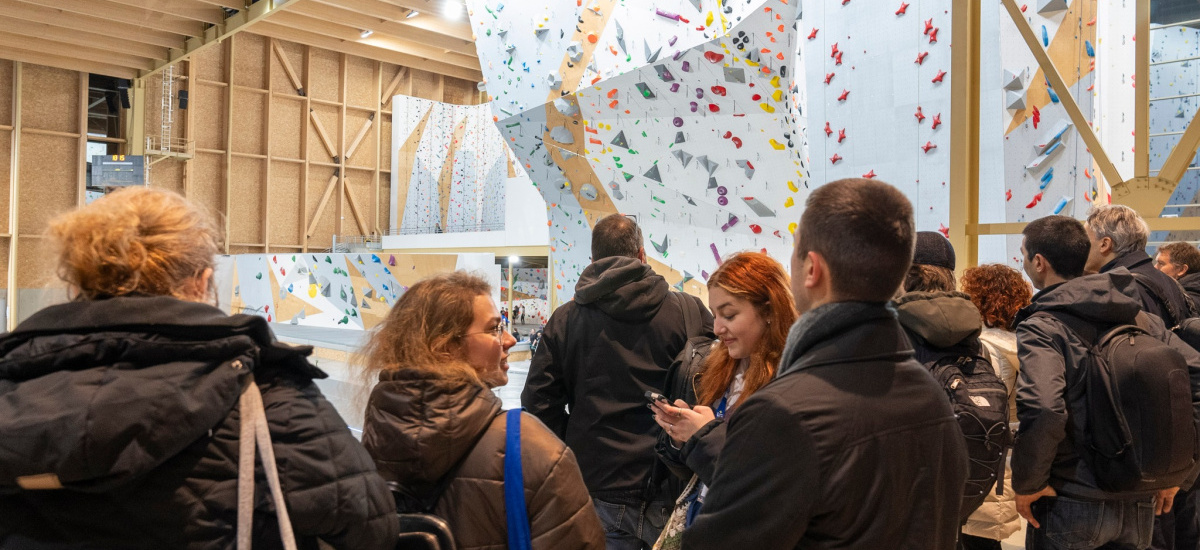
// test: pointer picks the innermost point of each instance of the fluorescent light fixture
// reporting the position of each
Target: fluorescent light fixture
(366, 33)
(513, 260)
(412, 14)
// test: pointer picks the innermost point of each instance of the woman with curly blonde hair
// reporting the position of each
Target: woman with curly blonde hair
(999, 292)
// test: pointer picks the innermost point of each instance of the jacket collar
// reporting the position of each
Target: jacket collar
(834, 333)
(1128, 260)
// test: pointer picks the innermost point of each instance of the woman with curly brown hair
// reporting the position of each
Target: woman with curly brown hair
(999, 292)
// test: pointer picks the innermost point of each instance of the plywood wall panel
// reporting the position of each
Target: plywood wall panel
(49, 172)
(244, 250)
(329, 117)
(208, 120)
(284, 208)
(249, 110)
(50, 99)
(364, 155)
(383, 208)
(210, 63)
(360, 184)
(425, 85)
(6, 75)
(295, 56)
(167, 174)
(360, 82)
(321, 238)
(326, 71)
(207, 190)
(460, 92)
(250, 62)
(385, 136)
(5, 170)
(287, 122)
(246, 187)
(35, 268)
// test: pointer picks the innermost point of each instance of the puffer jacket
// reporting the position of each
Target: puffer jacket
(1050, 398)
(130, 404)
(997, 517)
(420, 427)
(599, 354)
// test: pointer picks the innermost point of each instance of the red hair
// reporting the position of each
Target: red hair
(998, 291)
(760, 280)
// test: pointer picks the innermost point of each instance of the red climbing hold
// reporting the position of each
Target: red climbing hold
(812, 34)
(903, 9)
(719, 90)
(755, 228)
(844, 2)
(920, 116)
(871, 174)
(845, 94)
(838, 59)
(828, 77)
(714, 108)
(1008, 195)
(841, 135)
(933, 35)
(828, 131)
(1036, 199)
(714, 57)
(728, 134)
(937, 120)
(835, 158)
(833, 50)
(945, 231)
(1037, 117)
(928, 146)
(737, 142)
(756, 97)
(929, 25)
(921, 58)
(941, 75)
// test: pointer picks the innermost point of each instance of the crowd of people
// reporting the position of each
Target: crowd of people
(868, 400)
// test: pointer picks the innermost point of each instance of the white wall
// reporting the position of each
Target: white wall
(525, 222)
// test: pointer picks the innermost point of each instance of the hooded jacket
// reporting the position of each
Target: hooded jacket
(420, 427)
(853, 446)
(1050, 400)
(598, 356)
(1191, 285)
(130, 404)
(1168, 301)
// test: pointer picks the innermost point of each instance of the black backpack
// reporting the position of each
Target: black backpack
(980, 402)
(1141, 430)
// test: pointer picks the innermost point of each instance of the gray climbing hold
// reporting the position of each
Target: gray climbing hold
(1014, 100)
(758, 207)
(1051, 6)
(735, 74)
(589, 192)
(683, 156)
(562, 134)
(620, 140)
(652, 173)
(679, 137)
(745, 165)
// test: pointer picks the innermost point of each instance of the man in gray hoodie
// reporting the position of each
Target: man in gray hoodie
(1056, 489)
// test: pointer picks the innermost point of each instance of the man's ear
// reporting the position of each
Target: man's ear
(641, 256)
(815, 270)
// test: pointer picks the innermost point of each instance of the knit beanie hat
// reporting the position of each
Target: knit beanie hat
(933, 249)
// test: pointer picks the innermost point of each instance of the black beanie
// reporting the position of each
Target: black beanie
(933, 249)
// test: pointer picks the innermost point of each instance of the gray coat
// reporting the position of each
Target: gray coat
(1050, 401)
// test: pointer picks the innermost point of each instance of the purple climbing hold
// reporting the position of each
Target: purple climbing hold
(675, 87)
(677, 122)
(722, 191)
(686, 67)
(671, 42)
(722, 201)
(695, 106)
(699, 93)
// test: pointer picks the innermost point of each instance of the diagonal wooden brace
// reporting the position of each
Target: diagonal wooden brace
(387, 93)
(323, 135)
(312, 225)
(358, 219)
(287, 67)
(361, 134)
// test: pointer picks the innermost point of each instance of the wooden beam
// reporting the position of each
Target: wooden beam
(1106, 167)
(333, 29)
(343, 81)
(329, 187)
(304, 154)
(358, 219)
(81, 156)
(362, 132)
(108, 42)
(189, 166)
(964, 131)
(383, 19)
(386, 98)
(59, 49)
(436, 22)
(231, 4)
(1182, 154)
(47, 15)
(267, 28)
(1156, 224)
(73, 64)
(323, 135)
(378, 148)
(227, 212)
(193, 11)
(215, 34)
(14, 196)
(111, 11)
(265, 207)
(287, 66)
(1141, 90)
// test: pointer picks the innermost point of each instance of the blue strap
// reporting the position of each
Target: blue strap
(519, 537)
(719, 412)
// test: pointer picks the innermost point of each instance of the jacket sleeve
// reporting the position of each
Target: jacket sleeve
(701, 451)
(329, 481)
(546, 394)
(561, 515)
(1041, 405)
(769, 463)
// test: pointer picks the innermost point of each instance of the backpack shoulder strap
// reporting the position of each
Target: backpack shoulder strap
(515, 508)
(691, 313)
(1087, 332)
(256, 434)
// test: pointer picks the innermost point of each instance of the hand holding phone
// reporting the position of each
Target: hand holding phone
(653, 397)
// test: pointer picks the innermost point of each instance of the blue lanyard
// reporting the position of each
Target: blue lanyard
(720, 410)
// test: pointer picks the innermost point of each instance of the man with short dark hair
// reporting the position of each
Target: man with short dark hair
(853, 445)
(1181, 261)
(597, 357)
(1057, 490)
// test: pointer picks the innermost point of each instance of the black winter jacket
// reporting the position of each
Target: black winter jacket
(1168, 296)
(940, 323)
(1191, 285)
(598, 356)
(1050, 397)
(853, 445)
(131, 403)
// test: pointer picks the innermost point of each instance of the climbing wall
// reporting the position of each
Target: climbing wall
(452, 167)
(680, 113)
(531, 290)
(878, 87)
(347, 291)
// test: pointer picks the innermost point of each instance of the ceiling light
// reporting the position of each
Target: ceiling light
(452, 10)
(366, 32)
(412, 14)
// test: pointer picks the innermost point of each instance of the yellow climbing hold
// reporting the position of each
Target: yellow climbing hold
(789, 203)
(775, 81)
(768, 108)
(778, 95)
(708, 20)
(778, 146)
(792, 228)
(312, 291)
(792, 186)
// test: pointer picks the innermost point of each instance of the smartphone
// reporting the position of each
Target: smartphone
(652, 397)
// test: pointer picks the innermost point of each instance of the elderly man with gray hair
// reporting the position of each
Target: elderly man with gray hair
(1118, 235)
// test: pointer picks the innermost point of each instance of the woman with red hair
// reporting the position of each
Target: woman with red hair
(753, 309)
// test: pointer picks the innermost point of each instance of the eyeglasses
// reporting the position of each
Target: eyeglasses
(497, 332)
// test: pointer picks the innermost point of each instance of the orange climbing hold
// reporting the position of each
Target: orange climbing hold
(592, 38)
